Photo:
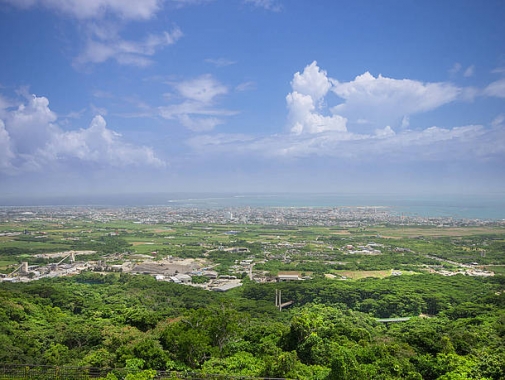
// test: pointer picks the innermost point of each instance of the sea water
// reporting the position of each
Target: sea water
(489, 207)
(484, 207)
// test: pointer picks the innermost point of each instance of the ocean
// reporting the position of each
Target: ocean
(484, 207)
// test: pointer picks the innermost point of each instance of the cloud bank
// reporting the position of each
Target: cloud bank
(360, 127)
(318, 133)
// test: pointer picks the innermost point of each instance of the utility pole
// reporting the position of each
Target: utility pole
(278, 299)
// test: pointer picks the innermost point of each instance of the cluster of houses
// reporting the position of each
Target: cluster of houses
(369, 249)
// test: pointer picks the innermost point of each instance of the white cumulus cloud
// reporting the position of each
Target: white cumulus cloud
(313, 82)
(6, 154)
(373, 103)
(85, 9)
(304, 118)
(98, 144)
(305, 106)
(386, 101)
(31, 125)
(384, 133)
(30, 139)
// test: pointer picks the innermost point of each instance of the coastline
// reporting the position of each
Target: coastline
(483, 207)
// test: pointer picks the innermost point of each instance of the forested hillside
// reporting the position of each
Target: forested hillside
(330, 332)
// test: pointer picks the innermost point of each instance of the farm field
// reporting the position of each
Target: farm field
(272, 247)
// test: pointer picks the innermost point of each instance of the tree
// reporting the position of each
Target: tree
(99, 358)
(223, 324)
(344, 366)
(56, 354)
(185, 344)
(239, 364)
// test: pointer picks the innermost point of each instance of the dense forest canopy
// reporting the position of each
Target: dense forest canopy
(95, 320)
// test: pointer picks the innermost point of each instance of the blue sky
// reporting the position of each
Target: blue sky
(395, 96)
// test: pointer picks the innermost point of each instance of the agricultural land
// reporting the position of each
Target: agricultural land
(302, 293)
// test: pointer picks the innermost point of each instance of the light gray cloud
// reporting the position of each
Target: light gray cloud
(219, 140)
(220, 62)
(470, 70)
(498, 121)
(183, 3)
(4, 104)
(457, 69)
(245, 86)
(202, 89)
(98, 110)
(385, 132)
(102, 21)
(134, 53)
(173, 111)
(199, 124)
(496, 89)
(271, 5)
(434, 144)
(197, 111)
(102, 94)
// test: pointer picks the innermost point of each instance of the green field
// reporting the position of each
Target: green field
(276, 248)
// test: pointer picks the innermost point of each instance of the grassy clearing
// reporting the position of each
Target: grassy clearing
(358, 274)
(497, 269)
(4, 264)
(342, 232)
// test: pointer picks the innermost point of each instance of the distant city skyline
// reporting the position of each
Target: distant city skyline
(101, 96)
